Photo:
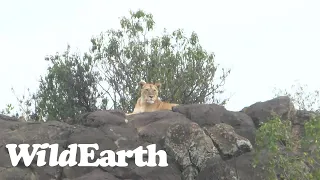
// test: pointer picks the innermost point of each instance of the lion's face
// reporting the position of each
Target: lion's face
(149, 92)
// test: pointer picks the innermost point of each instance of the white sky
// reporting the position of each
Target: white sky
(266, 44)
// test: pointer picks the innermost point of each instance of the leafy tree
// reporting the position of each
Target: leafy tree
(69, 87)
(130, 54)
(290, 157)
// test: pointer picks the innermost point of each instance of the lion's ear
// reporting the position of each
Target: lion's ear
(158, 85)
(142, 83)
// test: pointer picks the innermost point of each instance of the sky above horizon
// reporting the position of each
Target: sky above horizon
(266, 44)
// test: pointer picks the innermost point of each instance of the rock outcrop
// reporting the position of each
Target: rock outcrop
(202, 142)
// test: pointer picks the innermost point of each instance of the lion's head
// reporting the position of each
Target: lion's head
(149, 92)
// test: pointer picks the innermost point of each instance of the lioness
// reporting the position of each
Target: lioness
(149, 100)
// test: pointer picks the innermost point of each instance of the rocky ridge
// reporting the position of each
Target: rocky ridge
(203, 141)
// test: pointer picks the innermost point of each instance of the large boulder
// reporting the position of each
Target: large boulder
(217, 169)
(190, 146)
(152, 126)
(202, 114)
(100, 118)
(227, 141)
(33, 133)
(261, 112)
(243, 166)
(96, 174)
(212, 114)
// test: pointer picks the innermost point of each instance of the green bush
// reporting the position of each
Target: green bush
(279, 153)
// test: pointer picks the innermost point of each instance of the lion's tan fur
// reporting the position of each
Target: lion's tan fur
(149, 99)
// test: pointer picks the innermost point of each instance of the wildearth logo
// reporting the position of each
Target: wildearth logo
(68, 156)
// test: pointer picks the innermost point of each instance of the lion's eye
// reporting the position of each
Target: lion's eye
(154, 90)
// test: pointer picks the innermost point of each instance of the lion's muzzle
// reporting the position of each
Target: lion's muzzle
(150, 99)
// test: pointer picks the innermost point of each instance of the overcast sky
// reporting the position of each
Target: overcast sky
(266, 44)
